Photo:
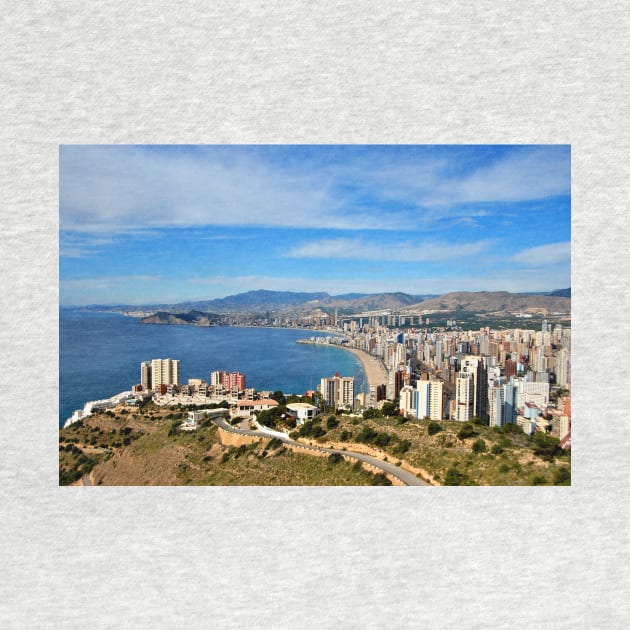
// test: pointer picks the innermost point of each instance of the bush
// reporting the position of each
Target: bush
(456, 478)
(380, 479)
(345, 435)
(335, 458)
(332, 423)
(467, 431)
(274, 443)
(366, 435)
(510, 427)
(562, 477)
(382, 439)
(539, 480)
(479, 446)
(545, 446)
(434, 427)
(496, 449)
(402, 447)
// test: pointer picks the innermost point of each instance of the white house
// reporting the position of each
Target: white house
(302, 411)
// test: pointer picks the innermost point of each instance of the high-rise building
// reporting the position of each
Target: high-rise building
(471, 391)
(428, 399)
(563, 368)
(502, 404)
(337, 391)
(464, 397)
(145, 375)
(164, 372)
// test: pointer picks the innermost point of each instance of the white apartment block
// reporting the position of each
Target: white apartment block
(428, 399)
(338, 391)
(164, 372)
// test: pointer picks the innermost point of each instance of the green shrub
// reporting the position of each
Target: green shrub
(434, 427)
(562, 477)
(467, 431)
(455, 477)
(381, 480)
(539, 480)
(479, 446)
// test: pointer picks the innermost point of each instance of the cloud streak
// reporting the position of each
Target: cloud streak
(546, 255)
(113, 188)
(402, 251)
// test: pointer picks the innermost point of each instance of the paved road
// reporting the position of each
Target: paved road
(407, 478)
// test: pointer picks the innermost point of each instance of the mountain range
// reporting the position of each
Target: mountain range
(264, 302)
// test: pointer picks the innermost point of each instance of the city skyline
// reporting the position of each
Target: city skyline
(163, 224)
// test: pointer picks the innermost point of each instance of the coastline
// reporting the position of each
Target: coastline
(373, 367)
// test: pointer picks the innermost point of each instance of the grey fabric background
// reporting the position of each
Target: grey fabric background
(301, 72)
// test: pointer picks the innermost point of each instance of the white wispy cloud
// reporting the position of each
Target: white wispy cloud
(405, 251)
(551, 254)
(106, 282)
(114, 188)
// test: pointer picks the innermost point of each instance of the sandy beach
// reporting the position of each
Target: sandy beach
(374, 369)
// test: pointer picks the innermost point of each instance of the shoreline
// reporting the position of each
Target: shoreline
(373, 367)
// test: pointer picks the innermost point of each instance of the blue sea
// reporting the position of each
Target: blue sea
(100, 355)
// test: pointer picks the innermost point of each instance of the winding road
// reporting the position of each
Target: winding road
(409, 479)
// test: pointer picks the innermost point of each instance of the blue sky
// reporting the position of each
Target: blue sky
(163, 224)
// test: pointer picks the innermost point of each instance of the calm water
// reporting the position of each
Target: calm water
(100, 355)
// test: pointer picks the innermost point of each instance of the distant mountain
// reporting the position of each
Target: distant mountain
(494, 301)
(198, 318)
(373, 302)
(290, 301)
(561, 293)
(260, 300)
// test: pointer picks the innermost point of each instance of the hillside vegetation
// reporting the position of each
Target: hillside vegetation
(128, 447)
(146, 447)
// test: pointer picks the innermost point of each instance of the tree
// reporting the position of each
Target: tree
(370, 413)
(433, 428)
(390, 409)
(332, 422)
(279, 397)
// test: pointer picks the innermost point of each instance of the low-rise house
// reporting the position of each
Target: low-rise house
(303, 412)
(248, 408)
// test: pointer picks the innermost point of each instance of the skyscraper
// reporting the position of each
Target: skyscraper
(337, 391)
(145, 375)
(164, 372)
(428, 399)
